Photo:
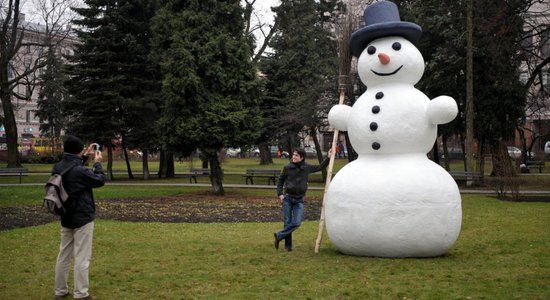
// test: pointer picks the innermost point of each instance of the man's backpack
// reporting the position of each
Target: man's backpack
(56, 195)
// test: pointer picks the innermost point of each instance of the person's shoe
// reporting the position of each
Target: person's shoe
(59, 297)
(288, 249)
(276, 241)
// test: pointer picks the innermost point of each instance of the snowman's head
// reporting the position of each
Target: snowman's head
(390, 59)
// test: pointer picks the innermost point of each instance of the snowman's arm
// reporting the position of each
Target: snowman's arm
(442, 110)
(338, 117)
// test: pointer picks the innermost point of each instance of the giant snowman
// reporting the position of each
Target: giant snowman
(392, 201)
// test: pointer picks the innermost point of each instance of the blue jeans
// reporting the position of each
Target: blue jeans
(293, 211)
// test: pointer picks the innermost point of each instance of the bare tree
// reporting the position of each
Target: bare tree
(259, 27)
(535, 46)
(23, 49)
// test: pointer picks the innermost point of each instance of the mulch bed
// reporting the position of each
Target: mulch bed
(188, 208)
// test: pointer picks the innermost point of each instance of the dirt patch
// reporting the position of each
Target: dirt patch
(188, 208)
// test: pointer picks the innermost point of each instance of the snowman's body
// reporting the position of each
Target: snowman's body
(393, 201)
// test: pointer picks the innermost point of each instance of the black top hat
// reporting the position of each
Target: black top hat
(382, 19)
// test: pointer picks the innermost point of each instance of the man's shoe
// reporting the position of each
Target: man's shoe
(59, 297)
(276, 241)
(89, 297)
(288, 249)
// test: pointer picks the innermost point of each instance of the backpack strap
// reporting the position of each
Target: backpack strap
(66, 170)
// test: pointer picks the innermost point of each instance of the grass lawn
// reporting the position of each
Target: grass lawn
(501, 253)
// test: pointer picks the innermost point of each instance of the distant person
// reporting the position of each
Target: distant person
(341, 148)
(291, 189)
(77, 223)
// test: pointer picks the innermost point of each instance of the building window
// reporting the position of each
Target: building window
(28, 116)
(527, 41)
(27, 62)
(523, 77)
(545, 43)
(11, 70)
(546, 78)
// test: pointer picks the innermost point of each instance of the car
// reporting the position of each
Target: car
(547, 148)
(514, 152)
(274, 151)
(310, 151)
(233, 152)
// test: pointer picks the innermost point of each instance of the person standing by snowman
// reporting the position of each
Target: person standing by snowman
(291, 189)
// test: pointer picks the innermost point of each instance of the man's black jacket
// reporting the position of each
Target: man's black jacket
(78, 183)
(293, 178)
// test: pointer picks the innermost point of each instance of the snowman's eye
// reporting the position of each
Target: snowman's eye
(371, 50)
(396, 46)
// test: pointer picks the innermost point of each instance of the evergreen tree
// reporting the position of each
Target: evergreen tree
(94, 82)
(210, 89)
(302, 67)
(50, 98)
(115, 86)
(499, 98)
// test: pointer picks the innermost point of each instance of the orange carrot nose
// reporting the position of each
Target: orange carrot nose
(384, 58)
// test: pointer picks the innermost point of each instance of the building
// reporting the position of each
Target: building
(32, 52)
(536, 130)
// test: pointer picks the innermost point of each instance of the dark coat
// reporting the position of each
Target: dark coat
(78, 183)
(294, 177)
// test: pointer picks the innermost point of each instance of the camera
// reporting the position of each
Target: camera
(96, 147)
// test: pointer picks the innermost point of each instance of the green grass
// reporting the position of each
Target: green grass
(501, 253)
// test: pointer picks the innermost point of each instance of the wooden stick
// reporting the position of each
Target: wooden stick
(329, 178)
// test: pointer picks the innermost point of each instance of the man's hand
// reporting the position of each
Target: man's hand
(281, 198)
(98, 156)
(89, 150)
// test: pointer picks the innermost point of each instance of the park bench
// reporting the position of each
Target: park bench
(196, 172)
(271, 175)
(535, 164)
(14, 172)
(463, 176)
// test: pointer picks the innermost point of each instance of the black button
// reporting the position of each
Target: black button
(373, 126)
(375, 146)
(376, 109)
(379, 95)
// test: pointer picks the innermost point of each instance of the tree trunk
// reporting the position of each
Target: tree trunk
(504, 171)
(145, 161)
(10, 126)
(435, 153)
(464, 154)
(446, 158)
(265, 154)
(110, 163)
(161, 164)
(169, 168)
(166, 164)
(128, 166)
(313, 134)
(216, 175)
(469, 90)
(481, 159)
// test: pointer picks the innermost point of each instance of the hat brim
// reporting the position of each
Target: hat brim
(362, 37)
